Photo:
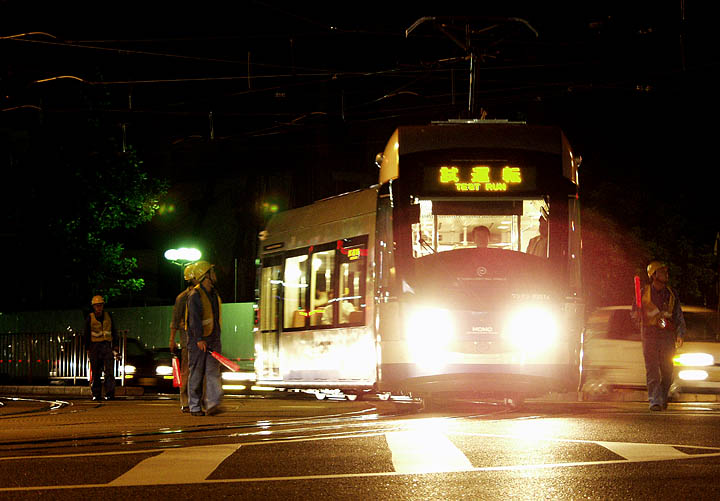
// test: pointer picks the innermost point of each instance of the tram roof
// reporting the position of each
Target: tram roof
(477, 134)
(325, 219)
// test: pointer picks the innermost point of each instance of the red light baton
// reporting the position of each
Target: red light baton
(177, 379)
(225, 361)
(638, 299)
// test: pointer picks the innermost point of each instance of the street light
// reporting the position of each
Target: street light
(182, 257)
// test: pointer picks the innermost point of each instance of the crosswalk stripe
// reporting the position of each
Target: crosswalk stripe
(185, 465)
(425, 452)
(643, 452)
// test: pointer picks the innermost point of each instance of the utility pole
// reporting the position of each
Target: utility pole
(445, 25)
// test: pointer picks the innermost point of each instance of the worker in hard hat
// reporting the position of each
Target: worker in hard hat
(663, 331)
(178, 324)
(101, 343)
(203, 321)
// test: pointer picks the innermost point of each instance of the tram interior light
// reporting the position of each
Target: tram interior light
(694, 359)
(429, 332)
(532, 329)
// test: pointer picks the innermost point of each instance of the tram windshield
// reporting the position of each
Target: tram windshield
(462, 251)
(519, 226)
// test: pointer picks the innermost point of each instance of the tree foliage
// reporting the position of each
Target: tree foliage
(625, 227)
(112, 194)
(81, 198)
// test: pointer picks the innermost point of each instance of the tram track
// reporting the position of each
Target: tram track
(365, 422)
(36, 406)
(178, 436)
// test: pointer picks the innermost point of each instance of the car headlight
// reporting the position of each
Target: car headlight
(130, 369)
(163, 370)
(428, 333)
(694, 359)
(532, 329)
(693, 375)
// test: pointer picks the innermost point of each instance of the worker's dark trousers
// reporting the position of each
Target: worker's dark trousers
(658, 350)
(102, 360)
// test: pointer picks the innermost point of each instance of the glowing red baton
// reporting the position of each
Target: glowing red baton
(225, 361)
(177, 379)
(638, 299)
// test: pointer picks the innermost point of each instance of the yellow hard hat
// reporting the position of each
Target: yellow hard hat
(188, 271)
(97, 300)
(654, 266)
(200, 269)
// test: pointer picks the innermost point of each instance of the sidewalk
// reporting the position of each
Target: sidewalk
(70, 391)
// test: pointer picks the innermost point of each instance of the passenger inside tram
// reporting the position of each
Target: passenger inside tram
(345, 307)
(538, 244)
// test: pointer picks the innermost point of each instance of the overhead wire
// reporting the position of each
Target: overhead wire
(318, 77)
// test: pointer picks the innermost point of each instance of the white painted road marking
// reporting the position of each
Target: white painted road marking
(425, 452)
(419, 452)
(185, 465)
(643, 452)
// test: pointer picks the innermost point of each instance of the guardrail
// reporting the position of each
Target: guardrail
(50, 356)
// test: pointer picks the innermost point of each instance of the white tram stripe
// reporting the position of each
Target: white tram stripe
(177, 466)
(425, 452)
(643, 452)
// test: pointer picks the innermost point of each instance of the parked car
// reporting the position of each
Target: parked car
(163, 368)
(612, 354)
(140, 365)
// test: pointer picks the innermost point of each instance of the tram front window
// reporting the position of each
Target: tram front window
(509, 225)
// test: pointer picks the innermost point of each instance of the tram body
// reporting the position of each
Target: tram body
(438, 279)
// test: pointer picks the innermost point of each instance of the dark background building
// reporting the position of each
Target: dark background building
(242, 104)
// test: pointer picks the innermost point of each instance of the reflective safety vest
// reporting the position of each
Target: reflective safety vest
(208, 320)
(652, 312)
(100, 332)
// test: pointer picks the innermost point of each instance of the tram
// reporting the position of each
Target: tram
(459, 272)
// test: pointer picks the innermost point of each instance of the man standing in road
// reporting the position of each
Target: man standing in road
(178, 324)
(663, 331)
(101, 343)
(204, 337)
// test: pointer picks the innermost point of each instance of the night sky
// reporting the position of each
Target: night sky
(238, 102)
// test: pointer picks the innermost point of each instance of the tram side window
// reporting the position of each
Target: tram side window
(270, 283)
(351, 303)
(295, 291)
(321, 284)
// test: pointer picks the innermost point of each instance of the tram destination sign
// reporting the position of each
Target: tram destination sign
(478, 177)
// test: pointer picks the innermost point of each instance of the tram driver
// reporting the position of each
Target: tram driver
(481, 236)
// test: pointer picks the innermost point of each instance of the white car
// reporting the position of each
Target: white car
(612, 356)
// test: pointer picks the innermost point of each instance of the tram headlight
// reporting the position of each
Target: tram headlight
(428, 333)
(532, 329)
(130, 369)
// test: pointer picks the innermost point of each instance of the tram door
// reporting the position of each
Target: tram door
(267, 338)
